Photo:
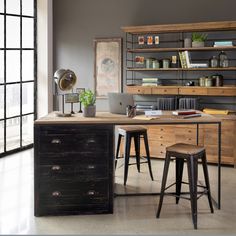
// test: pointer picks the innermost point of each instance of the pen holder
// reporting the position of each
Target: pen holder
(131, 111)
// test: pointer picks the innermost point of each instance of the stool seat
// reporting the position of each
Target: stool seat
(184, 148)
(135, 132)
(131, 129)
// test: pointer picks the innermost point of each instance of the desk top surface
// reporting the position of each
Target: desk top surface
(116, 119)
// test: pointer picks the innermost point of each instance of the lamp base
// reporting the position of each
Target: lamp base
(63, 114)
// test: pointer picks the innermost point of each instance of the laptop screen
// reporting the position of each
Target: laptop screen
(119, 101)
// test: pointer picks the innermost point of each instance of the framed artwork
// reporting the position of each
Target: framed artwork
(71, 98)
(80, 90)
(107, 66)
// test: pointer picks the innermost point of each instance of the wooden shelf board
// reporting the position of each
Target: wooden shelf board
(149, 50)
(183, 69)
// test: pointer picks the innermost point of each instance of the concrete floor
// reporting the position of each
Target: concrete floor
(132, 215)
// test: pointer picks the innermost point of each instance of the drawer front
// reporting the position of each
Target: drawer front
(73, 158)
(193, 91)
(221, 91)
(82, 172)
(73, 193)
(138, 90)
(86, 142)
(164, 90)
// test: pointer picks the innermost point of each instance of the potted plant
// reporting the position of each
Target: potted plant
(198, 40)
(88, 99)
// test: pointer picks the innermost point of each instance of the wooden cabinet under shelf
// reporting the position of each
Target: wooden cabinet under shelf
(182, 90)
(162, 136)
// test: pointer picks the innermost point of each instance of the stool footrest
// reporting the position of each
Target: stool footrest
(187, 198)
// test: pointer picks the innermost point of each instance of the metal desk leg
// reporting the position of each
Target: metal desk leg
(219, 165)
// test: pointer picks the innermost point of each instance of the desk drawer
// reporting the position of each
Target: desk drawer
(167, 90)
(67, 143)
(73, 158)
(80, 172)
(193, 91)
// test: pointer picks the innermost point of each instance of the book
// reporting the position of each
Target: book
(199, 65)
(223, 44)
(218, 111)
(184, 112)
(191, 116)
(182, 60)
(187, 59)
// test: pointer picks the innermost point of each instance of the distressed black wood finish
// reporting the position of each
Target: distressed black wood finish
(73, 169)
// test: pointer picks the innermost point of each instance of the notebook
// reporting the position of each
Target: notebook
(119, 101)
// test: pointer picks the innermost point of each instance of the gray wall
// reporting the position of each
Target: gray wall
(77, 22)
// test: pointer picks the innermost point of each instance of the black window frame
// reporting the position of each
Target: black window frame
(21, 82)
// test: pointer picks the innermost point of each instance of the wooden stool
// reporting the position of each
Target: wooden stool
(190, 153)
(136, 132)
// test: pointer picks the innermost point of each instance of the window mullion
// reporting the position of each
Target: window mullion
(21, 136)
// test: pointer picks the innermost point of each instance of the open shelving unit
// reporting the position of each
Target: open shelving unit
(173, 81)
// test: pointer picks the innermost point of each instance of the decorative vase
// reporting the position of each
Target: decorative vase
(197, 44)
(89, 111)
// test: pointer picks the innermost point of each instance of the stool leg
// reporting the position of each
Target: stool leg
(163, 184)
(148, 154)
(137, 150)
(179, 175)
(127, 142)
(117, 149)
(192, 164)
(205, 171)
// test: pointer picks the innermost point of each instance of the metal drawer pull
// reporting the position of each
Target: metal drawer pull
(56, 141)
(56, 194)
(91, 167)
(56, 167)
(91, 192)
(91, 141)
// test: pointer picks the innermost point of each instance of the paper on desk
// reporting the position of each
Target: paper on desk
(143, 117)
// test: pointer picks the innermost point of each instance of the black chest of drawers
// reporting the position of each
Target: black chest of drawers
(73, 169)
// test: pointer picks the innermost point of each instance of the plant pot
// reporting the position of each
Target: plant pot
(89, 111)
(197, 44)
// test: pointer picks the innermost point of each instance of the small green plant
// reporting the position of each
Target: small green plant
(197, 37)
(87, 98)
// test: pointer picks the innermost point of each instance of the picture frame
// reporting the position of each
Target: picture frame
(71, 98)
(107, 66)
(80, 90)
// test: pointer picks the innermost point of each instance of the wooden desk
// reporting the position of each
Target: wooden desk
(67, 172)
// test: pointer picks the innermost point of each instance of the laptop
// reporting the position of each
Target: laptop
(119, 101)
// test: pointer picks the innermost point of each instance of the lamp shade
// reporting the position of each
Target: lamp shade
(65, 80)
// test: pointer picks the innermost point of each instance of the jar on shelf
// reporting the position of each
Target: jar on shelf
(149, 63)
(208, 82)
(155, 64)
(213, 62)
(165, 63)
(223, 59)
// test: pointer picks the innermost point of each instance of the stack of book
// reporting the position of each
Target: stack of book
(186, 113)
(149, 81)
(140, 107)
(185, 61)
(223, 44)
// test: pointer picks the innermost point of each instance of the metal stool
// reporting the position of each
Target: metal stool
(190, 153)
(136, 132)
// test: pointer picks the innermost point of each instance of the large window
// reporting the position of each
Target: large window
(17, 74)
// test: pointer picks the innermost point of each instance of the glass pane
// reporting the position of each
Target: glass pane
(27, 65)
(27, 129)
(13, 6)
(13, 32)
(27, 98)
(28, 7)
(2, 6)
(1, 102)
(13, 100)
(1, 136)
(13, 66)
(1, 31)
(27, 33)
(1, 67)
(13, 133)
